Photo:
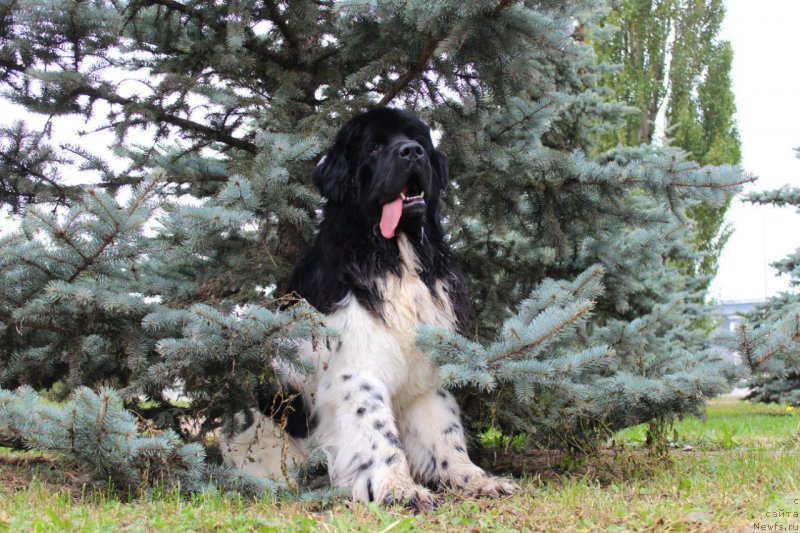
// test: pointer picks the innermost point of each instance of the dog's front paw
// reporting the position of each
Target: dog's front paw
(408, 494)
(485, 485)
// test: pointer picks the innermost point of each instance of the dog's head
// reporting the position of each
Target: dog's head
(383, 165)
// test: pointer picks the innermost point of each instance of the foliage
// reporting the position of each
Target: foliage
(168, 275)
(769, 341)
(783, 387)
(670, 60)
(92, 429)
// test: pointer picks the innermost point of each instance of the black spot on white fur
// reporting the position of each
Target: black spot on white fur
(393, 439)
(370, 494)
(452, 428)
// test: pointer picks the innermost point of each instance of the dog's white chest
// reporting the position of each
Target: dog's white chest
(385, 347)
(408, 302)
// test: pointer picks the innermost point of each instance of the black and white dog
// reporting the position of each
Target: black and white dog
(380, 266)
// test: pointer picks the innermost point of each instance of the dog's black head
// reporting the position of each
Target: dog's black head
(381, 175)
(383, 165)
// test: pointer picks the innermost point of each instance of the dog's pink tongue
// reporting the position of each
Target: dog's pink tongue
(390, 217)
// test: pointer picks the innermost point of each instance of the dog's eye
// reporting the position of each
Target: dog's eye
(376, 148)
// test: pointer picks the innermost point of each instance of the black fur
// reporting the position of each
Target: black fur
(289, 405)
(363, 170)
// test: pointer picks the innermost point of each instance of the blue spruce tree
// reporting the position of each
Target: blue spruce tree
(768, 343)
(167, 275)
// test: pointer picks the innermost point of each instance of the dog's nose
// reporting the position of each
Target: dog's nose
(411, 151)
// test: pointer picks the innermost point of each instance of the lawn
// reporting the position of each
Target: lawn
(737, 469)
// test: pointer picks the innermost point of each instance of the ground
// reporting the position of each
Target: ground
(736, 471)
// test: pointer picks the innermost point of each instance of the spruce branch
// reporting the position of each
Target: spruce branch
(785, 196)
(20, 167)
(159, 114)
(542, 322)
(554, 325)
(252, 44)
(94, 430)
(413, 71)
(144, 194)
(283, 27)
(779, 341)
(425, 55)
(543, 108)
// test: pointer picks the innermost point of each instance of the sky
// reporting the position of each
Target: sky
(766, 83)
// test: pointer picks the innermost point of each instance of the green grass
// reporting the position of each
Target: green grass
(710, 489)
(730, 423)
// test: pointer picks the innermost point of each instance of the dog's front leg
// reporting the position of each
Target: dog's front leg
(437, 453)
(358, 432)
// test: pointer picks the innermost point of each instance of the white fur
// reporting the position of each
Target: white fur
(383, 421)
(262, 450)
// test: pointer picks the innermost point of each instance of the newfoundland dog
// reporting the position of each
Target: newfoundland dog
(380, 266)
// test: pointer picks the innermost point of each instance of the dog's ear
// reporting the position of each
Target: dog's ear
(331, 176)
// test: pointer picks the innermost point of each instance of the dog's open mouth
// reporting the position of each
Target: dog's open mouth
(411, 200)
